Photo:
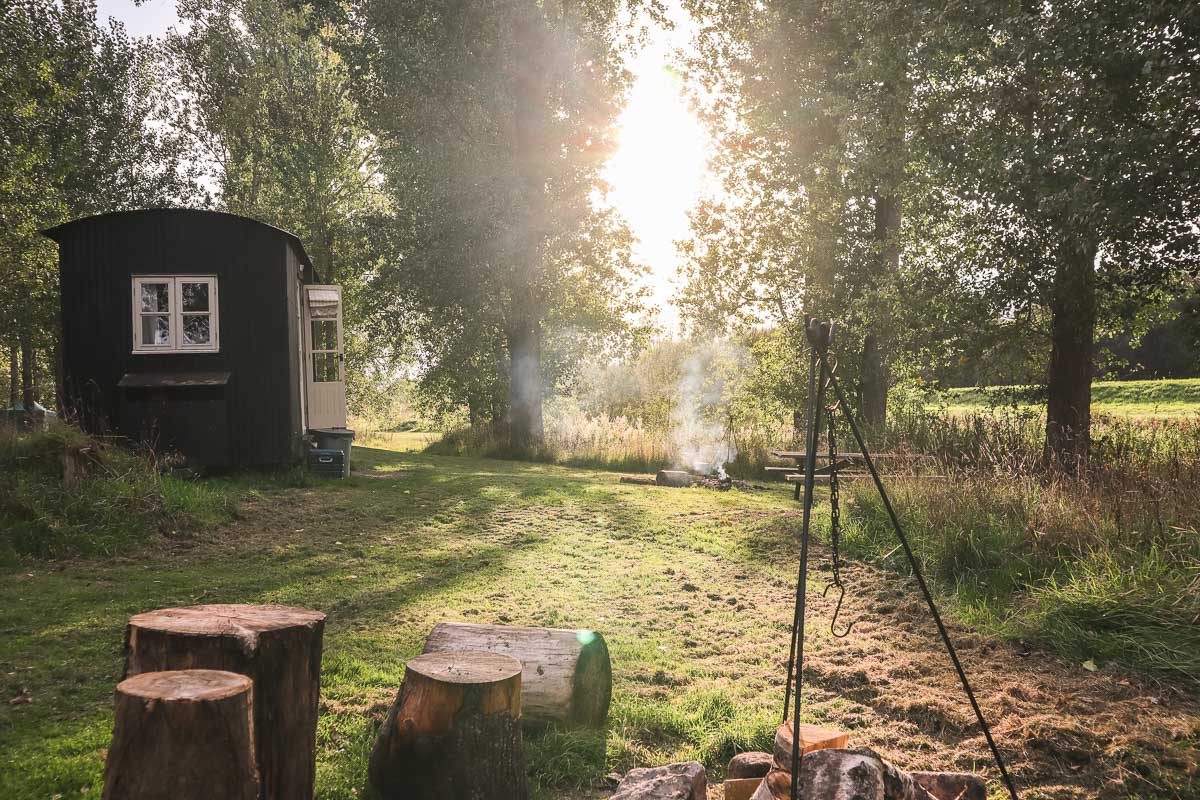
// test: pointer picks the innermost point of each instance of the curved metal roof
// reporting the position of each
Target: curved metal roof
(291, 237)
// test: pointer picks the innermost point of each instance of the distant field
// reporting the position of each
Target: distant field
(1141, 399)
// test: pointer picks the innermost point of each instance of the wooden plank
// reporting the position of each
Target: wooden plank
(853, 454)
(740, 788)
(852, 476)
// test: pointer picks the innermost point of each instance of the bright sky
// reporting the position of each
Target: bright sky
(660, 168)
(657, 173)
(152, 18)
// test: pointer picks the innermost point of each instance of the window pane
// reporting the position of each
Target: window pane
(156, 330)
(325, 367)
(324, 334)
(195, 296)
(156, 297)
(196, 328)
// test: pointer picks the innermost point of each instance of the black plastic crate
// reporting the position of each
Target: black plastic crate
(327, 463)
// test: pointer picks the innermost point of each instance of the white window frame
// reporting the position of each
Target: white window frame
(175, 314)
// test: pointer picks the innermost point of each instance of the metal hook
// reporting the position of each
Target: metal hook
(838, 610)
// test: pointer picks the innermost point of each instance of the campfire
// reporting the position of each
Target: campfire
(703, 476)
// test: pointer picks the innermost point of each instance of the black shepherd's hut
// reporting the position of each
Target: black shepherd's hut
(201, 333)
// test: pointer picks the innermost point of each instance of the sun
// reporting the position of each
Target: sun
(660, 168)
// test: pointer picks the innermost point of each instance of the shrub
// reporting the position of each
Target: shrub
(120, 501)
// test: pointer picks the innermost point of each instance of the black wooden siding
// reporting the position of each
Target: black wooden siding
(98, 258)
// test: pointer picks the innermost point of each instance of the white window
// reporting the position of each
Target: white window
(175, 314)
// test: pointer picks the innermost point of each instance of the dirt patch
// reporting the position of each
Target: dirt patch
(383, 475)
(1065, 732)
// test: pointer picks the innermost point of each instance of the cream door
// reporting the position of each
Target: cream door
(325, 362)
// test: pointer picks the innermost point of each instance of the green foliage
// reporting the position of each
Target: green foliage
(494, 122)
(270, 114)
(120, 503)
(1105, 567)
(82, 109)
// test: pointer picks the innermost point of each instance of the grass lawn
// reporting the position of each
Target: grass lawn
(1136, 399)
(691, 588)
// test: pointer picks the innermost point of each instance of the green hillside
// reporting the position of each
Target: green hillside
(1144, 399)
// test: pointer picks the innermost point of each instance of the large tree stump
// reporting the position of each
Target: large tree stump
(182, 735)
(454, 732)
(566, 676)
(278, 647)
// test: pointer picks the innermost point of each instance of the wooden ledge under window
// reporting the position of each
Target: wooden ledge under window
(171, 380)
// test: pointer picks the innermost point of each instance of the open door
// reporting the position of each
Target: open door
(326, 377)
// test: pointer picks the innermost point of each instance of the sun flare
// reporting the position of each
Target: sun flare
(660, 168)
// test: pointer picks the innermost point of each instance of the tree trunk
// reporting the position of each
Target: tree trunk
(14, 376)
(566, 675)
(185, 735)
(59, 393)
(278, 647)
(1072, 337)
(28, 376)
(533, 144)
(525, 380)
(872, 384)
(454, 731)
(889, 216)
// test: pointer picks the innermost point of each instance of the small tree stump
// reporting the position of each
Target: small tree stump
(566, 675)
(454, 732)
(182, 735)
(277, 647)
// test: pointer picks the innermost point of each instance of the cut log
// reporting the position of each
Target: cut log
(277, 647)
(566, 675)
(749, 765)
(182, 735)
(741, 788)
(673, 477)
(828, 775)
(952, 785)
(859, 774)
(638, 480)
(812, 737)
(454, 731)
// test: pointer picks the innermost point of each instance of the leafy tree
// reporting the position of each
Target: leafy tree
(269, 109)
(1020, 173)
(494, 119)
(812, 100)
(79, 105)
(1074, 125)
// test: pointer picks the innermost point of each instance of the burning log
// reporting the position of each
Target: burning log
(676, 478)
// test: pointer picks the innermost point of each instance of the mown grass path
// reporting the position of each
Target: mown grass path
(691, 588)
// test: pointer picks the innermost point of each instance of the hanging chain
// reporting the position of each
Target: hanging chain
(835, 518)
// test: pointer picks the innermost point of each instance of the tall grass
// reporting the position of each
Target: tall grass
(574, 438)
(120, 501)
(1103, 566)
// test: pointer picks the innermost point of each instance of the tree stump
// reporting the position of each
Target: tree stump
(454, 732)
(566, 676)
(182, 735)
(277, 647)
